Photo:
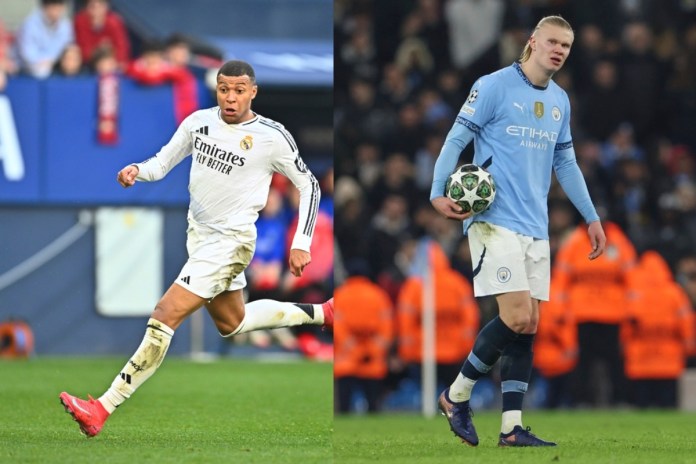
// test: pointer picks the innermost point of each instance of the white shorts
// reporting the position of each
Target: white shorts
(216, 261)
(505, 261)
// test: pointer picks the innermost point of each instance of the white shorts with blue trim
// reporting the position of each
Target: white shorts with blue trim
(505, 261)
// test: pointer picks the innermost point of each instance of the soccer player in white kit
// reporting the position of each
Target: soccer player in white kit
(235, 153)
(519, 120)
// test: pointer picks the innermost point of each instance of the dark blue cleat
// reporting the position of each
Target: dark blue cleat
(459, 417)
(522, 437)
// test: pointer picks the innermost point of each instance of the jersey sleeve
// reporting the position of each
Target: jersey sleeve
(568, 172)
(476, 111)
(456, 141)
(287, 161)
(565, 139)
(178, 148)
(479, 107)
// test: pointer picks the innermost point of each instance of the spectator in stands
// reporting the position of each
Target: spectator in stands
(266, 268)
(8, 65)
(595, 293)
(642, 75)
(104, 62)
(686, 276)
(326, 204)
(456, 316)
(97, 26)
(315, 284)
(590, 49)
(396, 178)
(42, 37)
(152, 68)
(658, 334)
(603, 103)
(561, 223)
(177, 51)
(475, 28)
(350, 218)
(556, 349)
(621, 145)
(388, 228)
(363, 338)
(70, 62)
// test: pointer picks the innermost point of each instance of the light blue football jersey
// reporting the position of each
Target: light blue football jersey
(521, 132)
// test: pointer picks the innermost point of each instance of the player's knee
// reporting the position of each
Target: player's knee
(518, 321)
(226, 328)
(167, 316)
(519, 317)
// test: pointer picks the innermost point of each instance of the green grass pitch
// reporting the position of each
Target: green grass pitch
(256, 412)
(227, 411)
(587, 437)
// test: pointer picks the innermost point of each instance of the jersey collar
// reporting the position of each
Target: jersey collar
(518, 68)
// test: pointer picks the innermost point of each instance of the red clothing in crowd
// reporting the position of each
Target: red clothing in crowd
(113, 34)
(184, 84)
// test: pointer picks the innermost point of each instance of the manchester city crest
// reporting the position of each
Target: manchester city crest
(503, 274)
(556, 113)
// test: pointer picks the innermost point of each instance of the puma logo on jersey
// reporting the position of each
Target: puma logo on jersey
(517, 105)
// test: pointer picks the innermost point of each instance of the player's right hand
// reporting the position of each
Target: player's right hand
(126, 176)
(450, 209)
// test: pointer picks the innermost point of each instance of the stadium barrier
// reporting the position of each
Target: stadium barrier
(51, 155)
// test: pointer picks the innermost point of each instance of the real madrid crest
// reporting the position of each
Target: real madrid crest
(247, 142)
(538, 109)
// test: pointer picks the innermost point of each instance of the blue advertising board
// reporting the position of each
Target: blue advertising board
(61, 161)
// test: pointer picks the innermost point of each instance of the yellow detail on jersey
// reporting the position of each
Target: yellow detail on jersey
(247, 142)
(538, 109)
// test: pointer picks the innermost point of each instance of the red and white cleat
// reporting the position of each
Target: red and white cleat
(328, 309)
(89, 415)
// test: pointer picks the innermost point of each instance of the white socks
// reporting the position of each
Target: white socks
(510, 420)
(460, 390)
(271, 314)
(144, 362)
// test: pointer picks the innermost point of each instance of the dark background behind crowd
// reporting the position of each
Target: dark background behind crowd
(403, 70)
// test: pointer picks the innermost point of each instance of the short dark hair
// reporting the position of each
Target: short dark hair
(237, 68)
(52, 2)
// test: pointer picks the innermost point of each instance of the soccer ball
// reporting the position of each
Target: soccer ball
(471, 187)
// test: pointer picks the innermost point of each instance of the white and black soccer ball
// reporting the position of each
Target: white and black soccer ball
(471, 187)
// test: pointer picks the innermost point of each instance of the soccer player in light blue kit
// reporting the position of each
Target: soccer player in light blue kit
(519, 120)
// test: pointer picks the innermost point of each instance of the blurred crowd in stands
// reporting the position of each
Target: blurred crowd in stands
(619, 330)
(64, 39)
(94, 40)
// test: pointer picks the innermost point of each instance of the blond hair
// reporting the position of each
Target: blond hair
(551, 20)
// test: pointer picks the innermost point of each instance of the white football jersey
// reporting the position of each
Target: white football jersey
(231, 170)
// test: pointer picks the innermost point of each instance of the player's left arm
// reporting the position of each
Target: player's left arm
(156, 167)
(573, 183)
(289, 163)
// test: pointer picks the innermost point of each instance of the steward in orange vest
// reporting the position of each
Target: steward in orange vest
(595, 293)
(456, 317)
(363, 336)
(556, 348)
(658, 335)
